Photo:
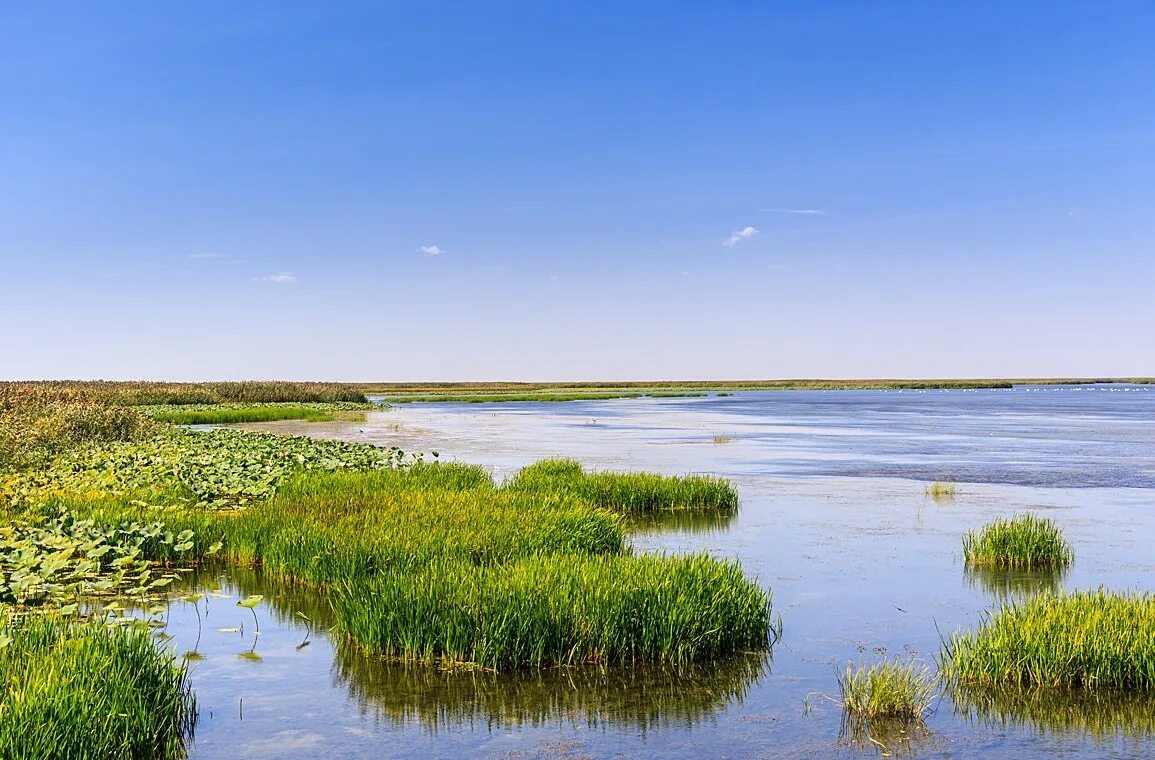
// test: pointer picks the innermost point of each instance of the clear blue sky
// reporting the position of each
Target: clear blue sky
(596, 190)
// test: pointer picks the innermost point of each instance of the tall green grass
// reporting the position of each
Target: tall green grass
(89, 690)
(325, 528)
(1024, 542)
(1082, 640)
(558, 610)
(628, 492)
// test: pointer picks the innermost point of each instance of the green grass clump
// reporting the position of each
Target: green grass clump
(323, 528)
(1023, 542)
(887, 690)
(633, 492)
(89, 690)
(1081, 640)
(558, 610)
(723, 438)
(223, 414)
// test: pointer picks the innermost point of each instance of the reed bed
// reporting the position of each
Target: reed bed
(1023, 542)
(888, 690)
(630, 493)
(558, 610)
(139, 393)
(322, 528)
(90, 690)
(1081, 640)
(223, 414)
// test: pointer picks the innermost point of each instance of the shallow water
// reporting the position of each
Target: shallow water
(834, 520)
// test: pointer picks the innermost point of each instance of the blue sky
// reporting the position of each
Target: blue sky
(600, 190)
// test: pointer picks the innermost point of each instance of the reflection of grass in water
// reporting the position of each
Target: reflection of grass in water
(1007, 585)
(683, 521)
(639, 697)
(891, 737)
(1095, 713)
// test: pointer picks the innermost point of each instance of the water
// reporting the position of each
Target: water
(834, 520)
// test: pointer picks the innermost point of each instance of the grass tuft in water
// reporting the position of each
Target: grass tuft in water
(723, 438)
(1023, 542)
(558, 610)
(889, 690)
(627, 492)
(941, 490)
(1081, 640)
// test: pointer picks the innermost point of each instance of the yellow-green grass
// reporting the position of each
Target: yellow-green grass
(1022, 542)
(1081, 640)
(89, 690)
(941, 490)
(723, 438)
(633, 492)
(558, 609)
(890, 690)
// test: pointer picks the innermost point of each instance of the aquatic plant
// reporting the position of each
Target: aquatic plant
(1023, 542)
(90, 690)
(557, 609)
(723, 438)
(1081, 640)
(216, 469)
(941, 490)
(625, 492)
(887, 690)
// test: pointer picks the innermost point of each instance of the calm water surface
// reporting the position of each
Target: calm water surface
(834, 520)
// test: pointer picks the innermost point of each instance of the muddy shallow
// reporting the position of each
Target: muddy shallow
(834, 520)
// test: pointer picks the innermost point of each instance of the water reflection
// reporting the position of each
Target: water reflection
(1099, 714)
(889, 738)
(1009, 585)
(642, 698)
(684, 521)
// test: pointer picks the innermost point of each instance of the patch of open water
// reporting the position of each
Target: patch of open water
(834, 520)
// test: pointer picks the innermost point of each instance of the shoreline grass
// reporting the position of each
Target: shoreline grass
(941, 490)
(85, 689)
(223, 414)
(1080, 640)
(1022, 542)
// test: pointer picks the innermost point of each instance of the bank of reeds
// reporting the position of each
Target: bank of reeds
(1081, 640)
(1023, 542)
(89, 690)
(557, 609)
(325, 528)
(222, 414)
(627, 492)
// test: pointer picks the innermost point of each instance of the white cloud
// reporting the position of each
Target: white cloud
(800, 211)
(739, 235)
(431, 250)
(279, 278)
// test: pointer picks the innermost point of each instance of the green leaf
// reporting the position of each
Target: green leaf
(250, 601)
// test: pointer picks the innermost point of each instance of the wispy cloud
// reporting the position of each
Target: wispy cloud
(280, 278)
(799, 211)
(739, 235)
(209, 256)
(431, 250)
